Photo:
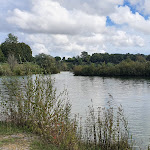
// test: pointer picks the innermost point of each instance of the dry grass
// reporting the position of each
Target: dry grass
(15, 142)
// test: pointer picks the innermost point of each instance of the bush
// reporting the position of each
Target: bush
(20, 69)
(106, 129)
(34, 105)
(5, 70)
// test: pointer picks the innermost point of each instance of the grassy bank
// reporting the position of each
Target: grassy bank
(19, 69)
(13, 137)
(34, 106)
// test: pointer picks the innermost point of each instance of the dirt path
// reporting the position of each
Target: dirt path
(15, 142)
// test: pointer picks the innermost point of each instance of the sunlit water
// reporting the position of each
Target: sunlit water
(133, 94)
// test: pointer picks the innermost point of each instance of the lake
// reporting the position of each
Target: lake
(132, 93)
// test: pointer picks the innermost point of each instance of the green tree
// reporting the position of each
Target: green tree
(24, 52)
(46, 62)
(21, 51)
(57, 58)
(2, 58)
(140, 58)
(148, 58)
(11, 38)
(85, 56)
(97, 58)
(63, 58)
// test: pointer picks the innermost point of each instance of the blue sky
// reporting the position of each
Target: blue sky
(68, 27)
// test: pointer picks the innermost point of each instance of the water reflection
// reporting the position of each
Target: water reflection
(132, 94)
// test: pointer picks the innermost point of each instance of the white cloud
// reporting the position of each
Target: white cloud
(135, 2)
(48, 16)
(74, 47)
(68, 45)
(141, 6)
(102, 51)
(92, 39)
(39, 48)
(123, 15)
(60, 39)
(100, 7)
(147, 7)
(68, 27)
(122, 39)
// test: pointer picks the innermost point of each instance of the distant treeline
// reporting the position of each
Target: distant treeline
(16, 59)
(99, 58)
(113, 65)
(125, 68)
(99, 64)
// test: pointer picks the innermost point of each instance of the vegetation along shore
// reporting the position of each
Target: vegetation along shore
(32, 106)
(16, 59)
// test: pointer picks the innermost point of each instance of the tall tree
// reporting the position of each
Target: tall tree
(46, 62)
(21, 51)
(85, 56)
(11, 38)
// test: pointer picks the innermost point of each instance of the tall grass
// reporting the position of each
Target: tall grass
(19, 69)
(106, 129)
(26, 69)
(5, 69)
(34, 105)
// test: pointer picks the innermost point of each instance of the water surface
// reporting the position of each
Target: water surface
(133, 94)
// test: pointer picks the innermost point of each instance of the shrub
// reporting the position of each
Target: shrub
(33, 104)
(5, 69)
(106, 129)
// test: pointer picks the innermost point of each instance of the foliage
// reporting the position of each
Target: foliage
(2, 58)
(19, 69)
(12, 61)
(5, 69)
(106, 129)
(11, 38)
(85, 57)
(34, 105)
(98, 59)
(8, 128)
(125, 68)
(46, 62)
(57, 58)
(21, 51)
(27, 68)
(42, 145)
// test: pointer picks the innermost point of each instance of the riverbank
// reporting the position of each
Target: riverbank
(13, 138)
(33, 105)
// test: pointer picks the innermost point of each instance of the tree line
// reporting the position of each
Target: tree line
(113, 65)
(16, 59)
(99, 58)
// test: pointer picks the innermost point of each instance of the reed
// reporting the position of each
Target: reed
(33, 105)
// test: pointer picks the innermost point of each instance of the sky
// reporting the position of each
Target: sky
(68, 27)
